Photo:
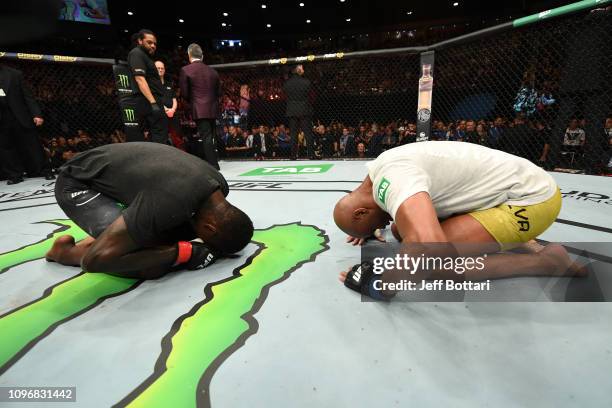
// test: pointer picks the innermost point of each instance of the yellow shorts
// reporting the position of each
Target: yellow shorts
(511, 224)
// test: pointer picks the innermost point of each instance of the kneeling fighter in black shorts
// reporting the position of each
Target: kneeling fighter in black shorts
(143, 203)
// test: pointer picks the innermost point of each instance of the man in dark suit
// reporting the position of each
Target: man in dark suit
(200, 87)
(263, 145)
(19, 117)
(297, 89)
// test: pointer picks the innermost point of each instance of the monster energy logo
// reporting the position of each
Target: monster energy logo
(124, 81)
(130, 115)
(213, 329)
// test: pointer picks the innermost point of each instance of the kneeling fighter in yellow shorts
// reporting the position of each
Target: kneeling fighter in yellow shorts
(452, 192)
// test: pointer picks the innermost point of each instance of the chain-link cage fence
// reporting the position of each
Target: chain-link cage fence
(357, 107)
(78, 103)
(541, 92)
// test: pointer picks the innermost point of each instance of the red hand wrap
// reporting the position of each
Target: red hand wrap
(184, 252)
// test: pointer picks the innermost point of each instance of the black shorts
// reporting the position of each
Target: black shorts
(88, 208)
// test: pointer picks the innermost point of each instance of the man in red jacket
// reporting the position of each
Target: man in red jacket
(201, 89)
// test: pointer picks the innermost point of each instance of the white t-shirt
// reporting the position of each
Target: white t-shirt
(249, 141)
(574, 137)
(459, 177)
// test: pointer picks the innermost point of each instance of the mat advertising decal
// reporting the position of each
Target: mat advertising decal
(212, 328)
(292, 170)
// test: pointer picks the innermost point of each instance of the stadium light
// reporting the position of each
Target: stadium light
(455, 4)
(307, 21)
(130, 13)
(301, 4)
(268, 25)
(223, 24)
(263, 6)
(348, 20)
(181, 20)
(225, 14)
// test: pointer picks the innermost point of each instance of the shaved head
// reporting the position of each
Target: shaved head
(358, 215)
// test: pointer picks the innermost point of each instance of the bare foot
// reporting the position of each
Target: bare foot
(530, 247)
(564, 265)
(61, 245)
(342, 276)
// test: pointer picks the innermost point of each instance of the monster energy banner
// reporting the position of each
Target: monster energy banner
(125, 90)
(123, 80)
(425, 92)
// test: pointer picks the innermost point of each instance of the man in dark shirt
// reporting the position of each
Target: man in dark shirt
(236, 144)
(326, 141)
(299, 111)
(540, 147)
(471, 136)
(518, 140)
(170, 106)
(148, 91)
(142, 203)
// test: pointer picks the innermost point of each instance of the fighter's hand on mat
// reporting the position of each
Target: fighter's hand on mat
(360, 241)
(379, 235)
(360, 279)
(194, 255)
(201, 256)
(355, 241)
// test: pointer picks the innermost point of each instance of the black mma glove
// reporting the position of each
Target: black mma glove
(194, 255)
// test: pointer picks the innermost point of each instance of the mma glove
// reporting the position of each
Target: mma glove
(194, 255)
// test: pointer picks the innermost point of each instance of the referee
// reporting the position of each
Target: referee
(148, 92)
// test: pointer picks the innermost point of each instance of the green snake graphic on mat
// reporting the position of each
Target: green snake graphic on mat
(227, 311)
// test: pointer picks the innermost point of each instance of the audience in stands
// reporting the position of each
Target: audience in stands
(529, 138)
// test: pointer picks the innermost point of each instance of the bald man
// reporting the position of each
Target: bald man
(452, 192)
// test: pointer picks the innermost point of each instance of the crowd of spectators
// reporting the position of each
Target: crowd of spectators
(77, 98)
(531, 139)
(528, 138)
(61, 148)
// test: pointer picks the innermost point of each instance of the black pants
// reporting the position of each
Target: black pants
(88, 208)
(20, 149)
(144, 118)
(206, 148)
(304, 123)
